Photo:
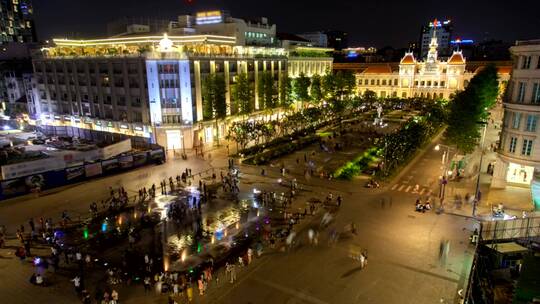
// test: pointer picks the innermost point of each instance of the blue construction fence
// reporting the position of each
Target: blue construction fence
(69, 175)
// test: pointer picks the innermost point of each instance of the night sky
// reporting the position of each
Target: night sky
(369, 23)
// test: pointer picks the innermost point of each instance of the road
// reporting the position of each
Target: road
(402, 245)
(77, 198)
(403, 250)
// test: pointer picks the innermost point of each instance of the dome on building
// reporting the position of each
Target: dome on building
(408, 59)
(456, 58)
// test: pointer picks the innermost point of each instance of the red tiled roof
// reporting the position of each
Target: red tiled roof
(504, 69)
(456, 58)
(378, 69)
(408, 59)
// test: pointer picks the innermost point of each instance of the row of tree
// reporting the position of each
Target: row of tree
(469, 109)
(272, 93)
(330, 87)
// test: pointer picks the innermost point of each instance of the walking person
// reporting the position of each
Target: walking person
(77, 284)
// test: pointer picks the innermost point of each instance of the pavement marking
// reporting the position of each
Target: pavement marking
(293, 292)
(401, 187)
(422, 191)
(394, 187)
(408, 188)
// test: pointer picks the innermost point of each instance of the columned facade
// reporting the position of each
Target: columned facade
(518, 162)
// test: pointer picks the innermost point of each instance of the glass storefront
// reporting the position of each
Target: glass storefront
(174, 140)
(519, 174)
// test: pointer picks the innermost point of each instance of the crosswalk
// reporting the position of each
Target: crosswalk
(413, 189)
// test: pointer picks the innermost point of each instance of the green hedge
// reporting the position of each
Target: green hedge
(278, 151)
(357, 165)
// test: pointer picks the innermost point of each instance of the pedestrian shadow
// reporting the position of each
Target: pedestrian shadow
(351, 272)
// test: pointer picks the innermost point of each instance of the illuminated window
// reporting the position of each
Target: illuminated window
(513, 143)
(531, 123)
(527, 147)
(516, 120)
(525, 62)
(536, 93)
(521, 91)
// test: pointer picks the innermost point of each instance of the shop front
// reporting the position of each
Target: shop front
(519, 174)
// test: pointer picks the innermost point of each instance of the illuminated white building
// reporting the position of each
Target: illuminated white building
(430, 78)
(247, 32)
(519, 147)
(148, 87)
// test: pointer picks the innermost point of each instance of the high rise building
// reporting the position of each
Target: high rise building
(337, 40)
(319, 39)
(16, 21)
(248, 32)
(518, 162)
(443, 31)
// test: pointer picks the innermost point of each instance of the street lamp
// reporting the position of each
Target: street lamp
(444, 161)
(477, 192)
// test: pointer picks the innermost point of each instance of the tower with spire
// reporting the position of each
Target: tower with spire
(433, 45)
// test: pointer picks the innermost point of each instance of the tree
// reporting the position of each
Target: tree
(209, 92)
(242, 94)
(220, 100)
(369, 97)
(285, 91)
(215, 105)
(316, 90)
(329, 86)
(267, 90)
(469, 107)
(301, 86)
(349, 83)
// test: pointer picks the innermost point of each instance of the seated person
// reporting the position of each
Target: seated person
(419, 207)
(427, 206)
(39, 280)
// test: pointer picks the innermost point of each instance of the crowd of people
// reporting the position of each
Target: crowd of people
(148, 267)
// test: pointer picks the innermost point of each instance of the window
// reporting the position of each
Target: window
(525, 62)
(536, 93)
(516, 120)
(531, 123)
(442, 83)
(137, 116)
(395, 82)
(384, 82)
(527, 147)
(521, 91)
(513, 142)
(372, 81)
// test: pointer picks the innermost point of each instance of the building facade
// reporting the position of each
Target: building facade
(319, 39)
(518, 160)
(429, 78)
(258, 32)
(150, 87)
(17, 21)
